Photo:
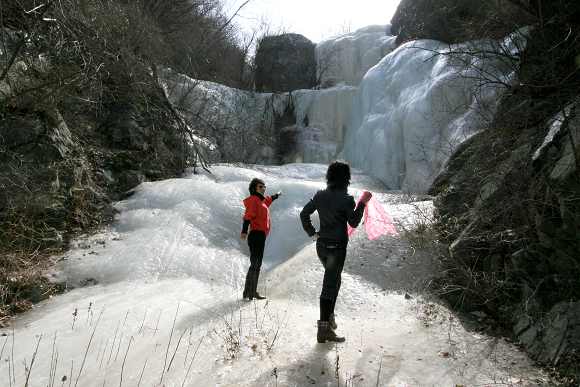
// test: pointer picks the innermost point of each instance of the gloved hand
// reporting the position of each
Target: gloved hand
(279, 193)
(366, 196)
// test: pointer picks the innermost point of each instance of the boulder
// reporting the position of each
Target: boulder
(285, 63)
(455, 21)
(553, 338)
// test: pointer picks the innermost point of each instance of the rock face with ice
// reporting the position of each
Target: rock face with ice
(284, 63)
(412, 107)
(322, 119)
(347, 58)
(419, 103)
(239, 124)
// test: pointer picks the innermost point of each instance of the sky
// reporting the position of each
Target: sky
(315, 19)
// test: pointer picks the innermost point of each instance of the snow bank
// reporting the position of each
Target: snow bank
(189, 227)
(168, 311)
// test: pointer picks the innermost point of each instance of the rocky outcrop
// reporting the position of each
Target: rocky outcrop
(508, 202)
(455, 21)
(285, 63)
(60, 172)
(508, 207)
(553, 338)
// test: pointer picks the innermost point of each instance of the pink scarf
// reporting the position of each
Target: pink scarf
(377, 221)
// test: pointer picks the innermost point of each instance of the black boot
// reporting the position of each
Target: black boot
(332, 322)
(326, 334)
(248, 286)
(254, 289)
(251, 285)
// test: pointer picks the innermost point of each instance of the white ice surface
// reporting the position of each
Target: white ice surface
(419, 103)
(322, 117)
(346, 58)
(242, 117)
(167, 311)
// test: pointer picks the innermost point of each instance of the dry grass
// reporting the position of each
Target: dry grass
(23, 282)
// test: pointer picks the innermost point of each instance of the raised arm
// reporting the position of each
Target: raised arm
(355, 214)
(276, 195)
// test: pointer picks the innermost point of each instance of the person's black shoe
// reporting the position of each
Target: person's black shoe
(326, 334)
(257, 296)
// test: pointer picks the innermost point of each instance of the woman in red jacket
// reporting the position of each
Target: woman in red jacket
(257, 218)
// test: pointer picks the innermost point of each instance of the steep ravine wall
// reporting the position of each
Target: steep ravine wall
(507, 202)
(60, 170)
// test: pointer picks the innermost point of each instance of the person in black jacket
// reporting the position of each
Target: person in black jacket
(335, 208)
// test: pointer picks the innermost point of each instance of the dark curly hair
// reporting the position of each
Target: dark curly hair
(338, 175)
(254, 183)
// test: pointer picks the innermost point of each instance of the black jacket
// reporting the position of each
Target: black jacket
(335, 208)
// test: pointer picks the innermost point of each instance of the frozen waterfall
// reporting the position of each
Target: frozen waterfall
(420, 102)
(412, 108)
(347, 58)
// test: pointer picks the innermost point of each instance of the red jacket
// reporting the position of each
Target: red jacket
(258, 213)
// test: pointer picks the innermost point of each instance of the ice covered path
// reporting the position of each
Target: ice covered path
(160, 305)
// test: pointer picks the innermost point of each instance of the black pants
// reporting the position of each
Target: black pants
(332, 256)
(256, 242)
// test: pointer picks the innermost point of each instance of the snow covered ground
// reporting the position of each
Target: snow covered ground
(161, 303)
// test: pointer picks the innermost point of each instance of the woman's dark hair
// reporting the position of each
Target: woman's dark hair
(254, 183)
(338, 175)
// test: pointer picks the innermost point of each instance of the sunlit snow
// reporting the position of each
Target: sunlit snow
(162, 302)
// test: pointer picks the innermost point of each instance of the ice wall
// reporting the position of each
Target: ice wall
(346, 58)
(322, 117)
(418, 103)
(240, 122)
(411, 110)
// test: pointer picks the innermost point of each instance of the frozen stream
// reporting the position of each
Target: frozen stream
(161, 305)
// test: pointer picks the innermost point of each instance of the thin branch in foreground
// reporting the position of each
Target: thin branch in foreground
(87, 349)
(168, 345)
(32, 362)
(175, 351)
(192, 359)
(124, 360)
(4, 345)
(142, 372)
(379, 371)
(51, 374)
